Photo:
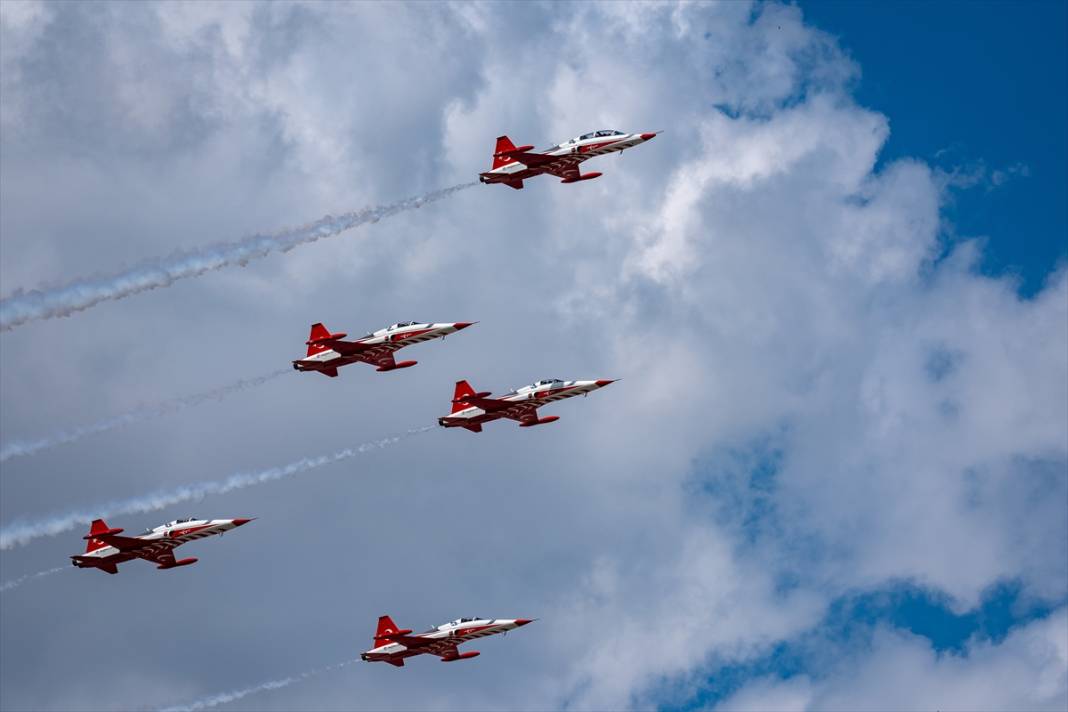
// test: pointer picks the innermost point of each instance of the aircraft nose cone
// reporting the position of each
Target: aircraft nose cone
(522, 621)
(604, 382)
(463, 324)
(239, 522)
(647, 136)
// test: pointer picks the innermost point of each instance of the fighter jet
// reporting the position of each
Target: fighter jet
(393, 645)
(327, 352)
(512, 165)
(470, 409)
(106, 549)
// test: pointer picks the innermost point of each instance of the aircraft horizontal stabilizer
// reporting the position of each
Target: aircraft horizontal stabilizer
(105, 532)
(512, 151)
(322, 340)
(388, 636)
(465, 399)
(91, 562)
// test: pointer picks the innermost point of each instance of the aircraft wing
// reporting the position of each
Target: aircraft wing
(564, 167)
(523, 412)
(446, 651)
(442, 647)
(413, 642)
(347, 348)
(490, 405)
(533, 160)
(122, 543)
(158, 550)
(163, 558)
(383, 358)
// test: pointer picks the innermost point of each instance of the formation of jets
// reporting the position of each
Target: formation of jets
(106, 547)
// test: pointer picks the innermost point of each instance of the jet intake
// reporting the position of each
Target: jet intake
(584, 176)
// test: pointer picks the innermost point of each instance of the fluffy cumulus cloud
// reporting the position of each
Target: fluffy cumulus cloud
(1028, 670)
(817, 397)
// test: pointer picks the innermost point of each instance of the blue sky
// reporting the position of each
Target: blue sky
(832, 475)
(969, 84)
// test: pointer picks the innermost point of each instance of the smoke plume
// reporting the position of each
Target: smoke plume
(22, 448)
(224, 697)
(64, 300)
(15, 583)
(22, 532)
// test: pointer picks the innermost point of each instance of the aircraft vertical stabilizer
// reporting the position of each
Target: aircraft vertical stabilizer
(504, 144)
(463, 388)
(318, 332)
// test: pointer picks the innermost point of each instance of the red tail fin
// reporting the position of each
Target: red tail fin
(318, 331)
(503, 144)
(99, 526)
(385, 627)
(463, 388)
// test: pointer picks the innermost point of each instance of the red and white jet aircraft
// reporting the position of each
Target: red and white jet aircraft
(470, 409)
(327, 352)
(106, 549)
(393, 645)
(512, 165)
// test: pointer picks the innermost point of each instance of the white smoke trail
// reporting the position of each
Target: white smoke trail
(20, 533)
(15, 583)
(72, 297)
(21, 448)
(224, 697)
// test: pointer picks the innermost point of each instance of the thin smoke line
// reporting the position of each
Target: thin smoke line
(15, 583)
(63, 300)
(23, 532)
(222, 698)
(23, 448)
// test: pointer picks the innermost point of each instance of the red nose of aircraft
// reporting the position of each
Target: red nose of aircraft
(463, 324)
(239, 522)
(604, 382)
(647, 136)
(522, 621)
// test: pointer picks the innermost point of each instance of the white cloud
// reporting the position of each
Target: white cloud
(1026, 671)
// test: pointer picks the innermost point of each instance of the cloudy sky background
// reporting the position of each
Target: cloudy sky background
(833, 475)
